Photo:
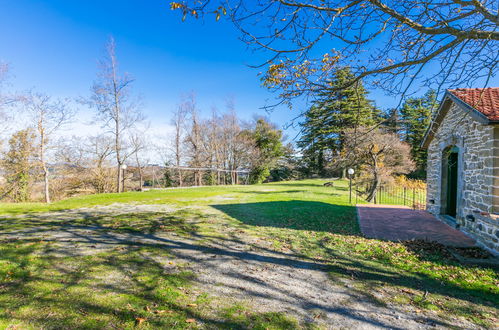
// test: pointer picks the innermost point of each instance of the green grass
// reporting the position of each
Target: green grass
(38, 289)
(307, 190)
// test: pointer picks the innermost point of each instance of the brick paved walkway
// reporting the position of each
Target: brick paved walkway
(394, 223)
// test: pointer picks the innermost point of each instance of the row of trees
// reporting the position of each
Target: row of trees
(223, 144)
(201, 151)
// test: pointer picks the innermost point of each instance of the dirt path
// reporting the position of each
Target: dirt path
(242, 270)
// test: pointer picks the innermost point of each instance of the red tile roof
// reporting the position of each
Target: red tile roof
(484, 100)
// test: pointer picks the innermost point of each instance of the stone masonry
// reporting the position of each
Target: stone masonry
(478, 174)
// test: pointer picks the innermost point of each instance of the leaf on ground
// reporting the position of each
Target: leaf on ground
(139, 320)
(190, 321)
(192, 305)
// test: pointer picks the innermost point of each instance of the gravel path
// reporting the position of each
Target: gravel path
(242, 269)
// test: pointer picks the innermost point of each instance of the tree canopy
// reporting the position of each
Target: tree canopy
(415, 117)
(392, 44)
(325, 122)
(269, 148)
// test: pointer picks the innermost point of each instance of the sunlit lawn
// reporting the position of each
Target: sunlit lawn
(127, 287)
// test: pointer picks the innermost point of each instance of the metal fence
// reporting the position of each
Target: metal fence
(414, 197)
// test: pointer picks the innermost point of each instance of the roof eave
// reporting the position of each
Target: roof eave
(438, 117)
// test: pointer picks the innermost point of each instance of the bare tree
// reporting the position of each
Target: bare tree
(6, 99)
(213, 144)
(237, 149)
(115, 109)
(392, 44)
(99, 149)
(194, 138)
(48, 116)
(179, 123)
(382, 154)
(138, 143)
(3, 77)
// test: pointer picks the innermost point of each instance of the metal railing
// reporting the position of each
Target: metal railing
(413, 197)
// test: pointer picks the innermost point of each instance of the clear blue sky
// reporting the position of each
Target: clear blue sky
(54, 46)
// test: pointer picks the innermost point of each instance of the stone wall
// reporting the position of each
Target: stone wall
(478, 178)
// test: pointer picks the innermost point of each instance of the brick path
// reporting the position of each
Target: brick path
(394, 223)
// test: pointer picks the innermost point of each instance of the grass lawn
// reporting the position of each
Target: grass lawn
(145, 286)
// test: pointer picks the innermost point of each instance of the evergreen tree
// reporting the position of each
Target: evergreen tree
(415, 116)
(333, 113)
(268, 147)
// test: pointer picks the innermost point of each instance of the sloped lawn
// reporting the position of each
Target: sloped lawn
(46, 283)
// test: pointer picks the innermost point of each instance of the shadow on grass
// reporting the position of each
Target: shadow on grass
(297, 184)
(296, 214)
(125, 287)
(126, 283)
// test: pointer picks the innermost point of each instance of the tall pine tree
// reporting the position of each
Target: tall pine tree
(330, 116)
(415, 116)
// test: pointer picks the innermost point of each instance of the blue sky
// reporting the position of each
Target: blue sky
(54, 46)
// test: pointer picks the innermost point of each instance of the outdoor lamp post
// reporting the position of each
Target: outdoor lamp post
(350, 176)
(123, 168)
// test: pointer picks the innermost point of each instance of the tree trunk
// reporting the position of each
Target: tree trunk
(376, 181)
(119, 179)
(42, 162)
(374, 189)
(141, 181)
(47, 185)
(179, 176)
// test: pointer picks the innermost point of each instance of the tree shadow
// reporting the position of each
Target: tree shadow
(296, 214)
(297, 184)
(271, 192)
(146, 274)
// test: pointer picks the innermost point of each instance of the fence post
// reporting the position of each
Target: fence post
(414, 198)
(405, 194)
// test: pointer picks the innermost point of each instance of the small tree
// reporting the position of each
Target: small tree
(179, 123)
(269, 148)
(98, 150)
(138, 143)
(195, 138)
(115, 108)
(47, 116)
(379, 153)
(17, 164)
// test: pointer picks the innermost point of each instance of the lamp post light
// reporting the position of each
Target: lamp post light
(350, 172)
(123, 168)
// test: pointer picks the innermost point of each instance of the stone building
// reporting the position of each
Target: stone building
(463, 163)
